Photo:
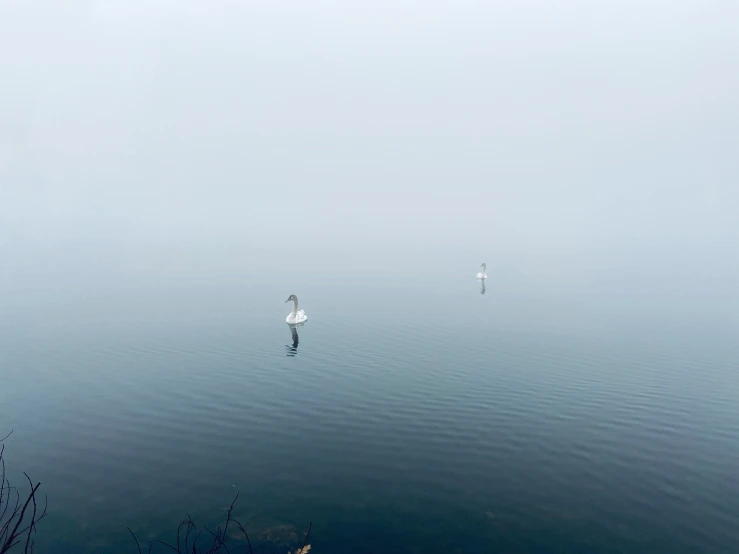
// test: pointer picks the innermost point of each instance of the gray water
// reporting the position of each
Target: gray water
(414, 414)
(171, 171)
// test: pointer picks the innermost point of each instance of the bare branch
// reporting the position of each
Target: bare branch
(12, 537)
(190, 527)
(228, 514)
(162, 543)
(134, 538)
(194, 551)
(248, 542)
(218, 537)
(33, 517)
(17, 522)
(307, 536)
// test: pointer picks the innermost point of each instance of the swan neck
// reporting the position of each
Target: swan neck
(295, 306)
(484, 267)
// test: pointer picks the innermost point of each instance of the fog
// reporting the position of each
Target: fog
(575, 144)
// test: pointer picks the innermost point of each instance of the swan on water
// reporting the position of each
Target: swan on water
(482, 274)
(295, 316)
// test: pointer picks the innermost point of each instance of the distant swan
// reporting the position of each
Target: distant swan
(295, 316)
(482, 274)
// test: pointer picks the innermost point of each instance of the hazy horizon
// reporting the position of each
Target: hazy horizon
(576, 145)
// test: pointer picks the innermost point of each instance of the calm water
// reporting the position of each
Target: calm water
(421, 416)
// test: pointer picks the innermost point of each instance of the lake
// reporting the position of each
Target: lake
(412, 415)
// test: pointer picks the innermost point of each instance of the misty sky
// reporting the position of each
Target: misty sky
(543, 136)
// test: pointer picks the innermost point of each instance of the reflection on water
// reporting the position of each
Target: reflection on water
(293, 350)
(462, 427)
(482, 286)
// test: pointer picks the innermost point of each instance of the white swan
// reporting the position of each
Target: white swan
(482, 274)
(295, 316)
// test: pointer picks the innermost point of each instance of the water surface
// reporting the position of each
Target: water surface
(414, 415)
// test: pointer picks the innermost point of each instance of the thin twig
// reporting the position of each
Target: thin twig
(308, 535)
(5, 529)
(217, 541)
(228, 514)
(13, 535)
(134, 538)
(33, 523)
(164, 543)
(179, 528)
(2, 480)
(188, 526)
(33, 517)
(187, 533)
(248, 542)
(194, 551)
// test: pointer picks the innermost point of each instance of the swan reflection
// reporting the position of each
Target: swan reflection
(482, 286)
(293, 350)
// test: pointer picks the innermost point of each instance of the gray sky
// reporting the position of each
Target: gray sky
(553, 137)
